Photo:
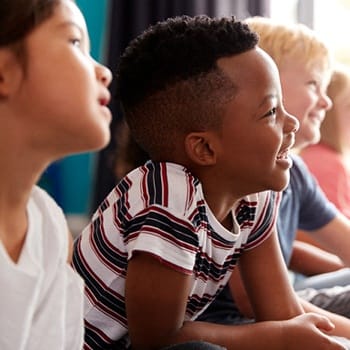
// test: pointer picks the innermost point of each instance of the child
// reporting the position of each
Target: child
(304, 64)
(205, 103)
(329, 159)
(53, 99)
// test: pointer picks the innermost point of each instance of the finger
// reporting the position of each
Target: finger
(322, 322)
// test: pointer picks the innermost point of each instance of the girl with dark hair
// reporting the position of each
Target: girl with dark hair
(53, 102)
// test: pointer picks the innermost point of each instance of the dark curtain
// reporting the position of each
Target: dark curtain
(128, 18)
(259, 8)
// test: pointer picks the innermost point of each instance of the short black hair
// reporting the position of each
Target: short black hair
(168, 80)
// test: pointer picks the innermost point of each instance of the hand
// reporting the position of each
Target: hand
(307, 331)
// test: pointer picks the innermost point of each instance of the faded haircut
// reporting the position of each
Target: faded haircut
(168, 81)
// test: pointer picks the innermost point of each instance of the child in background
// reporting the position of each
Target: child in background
(329, 160)
(53, 99)
(205, 103)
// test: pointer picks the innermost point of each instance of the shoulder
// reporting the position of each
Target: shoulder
(298, 163)
(45, 203)
(300, 176)
(50, 220)
(163, 184)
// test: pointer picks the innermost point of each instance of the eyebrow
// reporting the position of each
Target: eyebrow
(267, 98)
(82, 32)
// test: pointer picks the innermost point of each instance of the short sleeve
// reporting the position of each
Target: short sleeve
(168, 236)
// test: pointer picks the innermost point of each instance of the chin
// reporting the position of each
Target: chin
(281, 183)
(100, 140)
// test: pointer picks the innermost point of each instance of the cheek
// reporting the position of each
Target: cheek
(299, 104)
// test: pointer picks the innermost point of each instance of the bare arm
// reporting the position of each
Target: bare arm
(342, 324)
(335, 237)
(265, 277)
(238, 289)
(310, 260)
(156, 298)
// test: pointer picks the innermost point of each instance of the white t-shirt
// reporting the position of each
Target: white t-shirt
(41, 297)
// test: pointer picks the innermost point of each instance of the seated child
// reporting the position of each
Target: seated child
(205, 103)
(53, 98)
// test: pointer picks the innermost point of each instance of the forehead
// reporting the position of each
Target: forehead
(251, 71)
(66, 16)
(67, 12)
(297, 69)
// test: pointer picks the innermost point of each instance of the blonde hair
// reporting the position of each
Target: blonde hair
(331, 126)
(289, 41)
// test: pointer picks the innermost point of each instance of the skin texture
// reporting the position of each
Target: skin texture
(262, 150)
(156, 315)
(55, 107)
(304, 90)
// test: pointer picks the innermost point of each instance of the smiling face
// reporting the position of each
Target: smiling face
(304, 90)
(60, 98)
(256, 132)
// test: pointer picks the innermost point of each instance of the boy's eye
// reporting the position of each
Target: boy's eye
(271, 112)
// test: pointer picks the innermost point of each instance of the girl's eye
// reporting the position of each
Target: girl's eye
(271, 112)
(76, 42)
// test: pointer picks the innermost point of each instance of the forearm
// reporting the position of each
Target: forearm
(310, 260)
(267, 335)
(335, 236)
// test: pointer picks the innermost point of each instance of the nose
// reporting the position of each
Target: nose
(103, 74)
(291, 123)
(325, 101)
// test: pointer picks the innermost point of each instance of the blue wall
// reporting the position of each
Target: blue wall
(71, 180)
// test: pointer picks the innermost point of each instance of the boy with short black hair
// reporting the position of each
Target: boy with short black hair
(206, 104)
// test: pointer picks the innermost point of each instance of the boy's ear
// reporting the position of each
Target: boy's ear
(9, 70)
(200, 148)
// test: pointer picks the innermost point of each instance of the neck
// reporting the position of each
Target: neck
(218, 198)
(19, 173)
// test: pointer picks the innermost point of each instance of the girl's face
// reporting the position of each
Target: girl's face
(304, 90)
(61, 98)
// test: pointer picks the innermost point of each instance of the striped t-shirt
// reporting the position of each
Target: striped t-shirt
(160, 208)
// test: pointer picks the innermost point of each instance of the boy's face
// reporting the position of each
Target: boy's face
(304, 91)
(256, 130)
(63, 93)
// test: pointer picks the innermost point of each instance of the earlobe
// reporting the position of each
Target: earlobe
(200, 148)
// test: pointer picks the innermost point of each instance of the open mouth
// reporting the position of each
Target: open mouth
(103, 101)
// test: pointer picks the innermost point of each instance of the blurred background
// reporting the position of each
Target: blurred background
(79, 183)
